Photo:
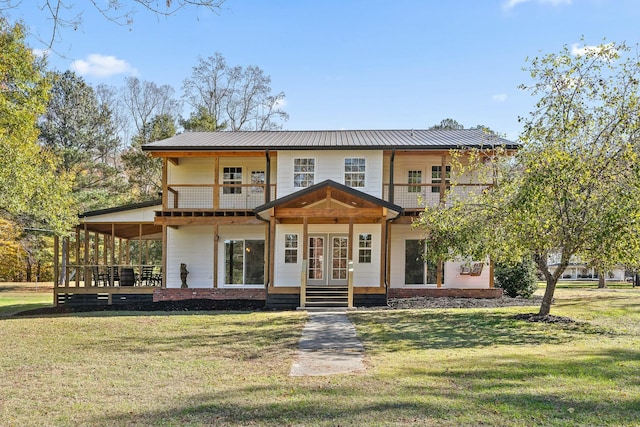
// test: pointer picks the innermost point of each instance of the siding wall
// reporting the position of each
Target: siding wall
(330, 165)
(192, 245)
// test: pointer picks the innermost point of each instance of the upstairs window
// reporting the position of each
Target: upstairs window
(436, 177)
(231, 176)
(354, 172)
(257, 178)
(414, 177)
(304, 171)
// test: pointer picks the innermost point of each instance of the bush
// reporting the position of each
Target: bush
(518, 279)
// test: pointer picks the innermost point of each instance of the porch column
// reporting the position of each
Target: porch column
(272, 249)
(305, 250)
(76, 261)
(215, 255)
(383, 242)
(87, 271)
(163, 284)
(439, 269)
(350, 264)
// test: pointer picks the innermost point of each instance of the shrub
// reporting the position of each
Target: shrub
(517, 279)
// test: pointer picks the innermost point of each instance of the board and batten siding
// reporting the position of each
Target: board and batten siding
(329, 164)
(192, 245)
(197, 170)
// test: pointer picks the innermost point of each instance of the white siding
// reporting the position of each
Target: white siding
(367, 274)
(133, 215)
(189, 170)
(453, 278)
(192, 245)
(287, 274)
(330, 165)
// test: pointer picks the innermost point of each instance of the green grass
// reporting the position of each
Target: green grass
(425, 367)
(16, 297)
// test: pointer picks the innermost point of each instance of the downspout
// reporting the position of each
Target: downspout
(391, 173)
(267, 190)
(267, 272)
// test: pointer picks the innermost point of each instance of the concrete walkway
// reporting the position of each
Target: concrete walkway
(328, 346)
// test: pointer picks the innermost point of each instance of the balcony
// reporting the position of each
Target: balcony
(217, 197)
(414, 197)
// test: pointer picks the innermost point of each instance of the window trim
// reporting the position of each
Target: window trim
(292, 249)
(352, 173)
(311, 174)
(363, 249)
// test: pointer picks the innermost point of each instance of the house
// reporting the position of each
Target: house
(288, 218)
(578, 269)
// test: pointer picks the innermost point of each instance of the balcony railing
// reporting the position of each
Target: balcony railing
(218, 196)
(418, 196)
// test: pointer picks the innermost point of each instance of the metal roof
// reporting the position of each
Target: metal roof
(330, 140)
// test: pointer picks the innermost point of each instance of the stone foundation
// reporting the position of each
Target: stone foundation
(444, 292)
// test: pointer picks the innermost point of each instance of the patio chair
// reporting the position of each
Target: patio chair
(148, 277)
(99, 279)
(114, 275)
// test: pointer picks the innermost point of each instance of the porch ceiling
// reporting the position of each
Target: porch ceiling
(126, 231)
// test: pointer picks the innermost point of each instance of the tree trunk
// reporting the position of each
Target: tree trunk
(601, 282)
(545, 307)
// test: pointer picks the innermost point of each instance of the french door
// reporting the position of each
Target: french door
(328, 259)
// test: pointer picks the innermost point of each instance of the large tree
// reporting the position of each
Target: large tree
(31, 183)
(236, 97)
(573, 189)
(80, 130)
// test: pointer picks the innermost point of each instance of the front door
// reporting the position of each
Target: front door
(328, 259)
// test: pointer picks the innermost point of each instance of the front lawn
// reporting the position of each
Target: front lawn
(425, 367)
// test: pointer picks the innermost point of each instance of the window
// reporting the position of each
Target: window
(244, 262)
(290, 248)
(303, 172)
(414, 177)
(364, 248)
(231, 176)
(257, 178)
(436, 177)
(354, 169)
(417, 271)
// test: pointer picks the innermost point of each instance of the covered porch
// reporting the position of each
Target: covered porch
(113, 256)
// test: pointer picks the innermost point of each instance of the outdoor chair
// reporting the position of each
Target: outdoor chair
(99, 279)
(148, 277)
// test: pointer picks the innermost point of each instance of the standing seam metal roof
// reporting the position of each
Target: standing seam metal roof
(334, 139)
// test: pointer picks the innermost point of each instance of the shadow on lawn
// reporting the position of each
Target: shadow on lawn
(415, 330)
(491, 394)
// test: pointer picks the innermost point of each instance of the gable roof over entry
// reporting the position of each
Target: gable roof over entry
(348, 198)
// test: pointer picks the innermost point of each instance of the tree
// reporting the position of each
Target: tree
(236, 97)
(31, 182)
(450, 124)
(573, 187)
(143, 170)
(145, 100)
(81, 132)
(64, 13)
(201, 121)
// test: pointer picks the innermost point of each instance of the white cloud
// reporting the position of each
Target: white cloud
(280, 103)
(98, 65)
(500, 97)
(510, 4)
(41, 53)
(605, 51)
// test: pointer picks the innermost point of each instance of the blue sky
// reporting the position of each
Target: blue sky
(355, 64)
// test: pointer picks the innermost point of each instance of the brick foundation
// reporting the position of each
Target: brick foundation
(171, 294)
(444, 292)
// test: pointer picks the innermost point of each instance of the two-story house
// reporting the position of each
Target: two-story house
(294, 218)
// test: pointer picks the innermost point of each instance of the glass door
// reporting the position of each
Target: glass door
(316, 267)
(339, 260)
